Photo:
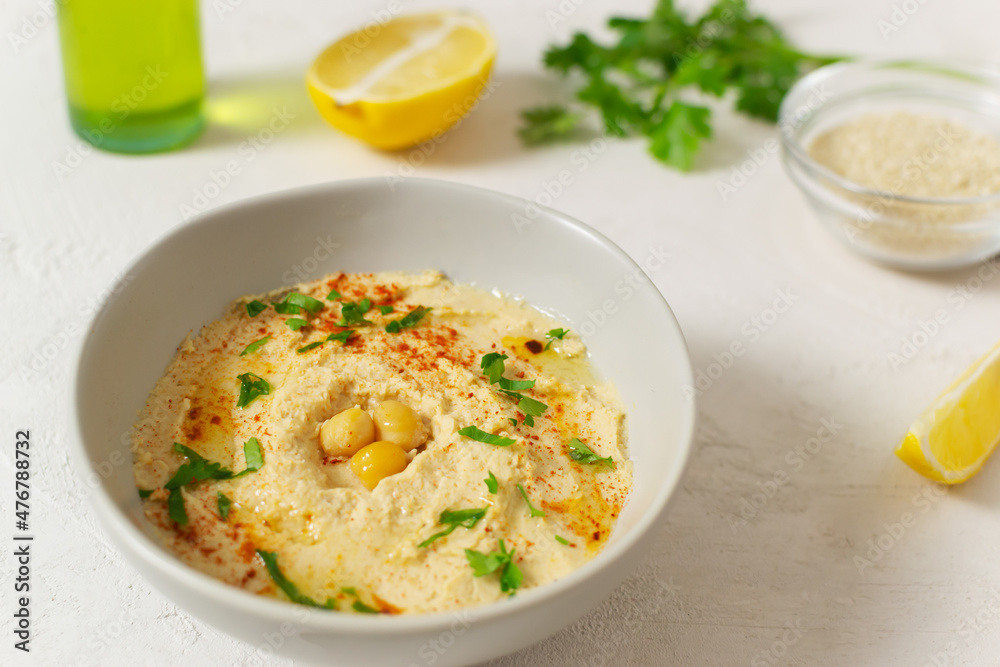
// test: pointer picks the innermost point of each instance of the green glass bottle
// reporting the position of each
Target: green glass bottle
(134, 80)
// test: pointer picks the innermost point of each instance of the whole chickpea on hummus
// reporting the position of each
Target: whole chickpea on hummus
(382, 443)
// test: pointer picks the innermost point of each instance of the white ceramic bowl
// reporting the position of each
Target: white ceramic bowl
(475, 236)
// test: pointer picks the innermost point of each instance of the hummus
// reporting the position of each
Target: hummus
(303, 524)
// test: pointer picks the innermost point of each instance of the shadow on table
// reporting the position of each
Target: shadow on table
(239, 109)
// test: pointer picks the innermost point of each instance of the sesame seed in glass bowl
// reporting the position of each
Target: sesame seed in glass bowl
(900, 159)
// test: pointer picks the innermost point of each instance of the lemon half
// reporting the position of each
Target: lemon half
(406, 81)
(952, 439)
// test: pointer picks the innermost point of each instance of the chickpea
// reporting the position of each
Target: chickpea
(398, 423)
(347, 432)
(376, 461)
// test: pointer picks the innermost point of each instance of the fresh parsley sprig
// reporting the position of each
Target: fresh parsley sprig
(453, 519)
(498, 561)
(636, 83)
(581, 453)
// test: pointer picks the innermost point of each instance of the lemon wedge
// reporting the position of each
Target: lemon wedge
(405, 81)
(952, 439)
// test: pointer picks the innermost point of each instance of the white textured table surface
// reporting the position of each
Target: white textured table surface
(767, 556)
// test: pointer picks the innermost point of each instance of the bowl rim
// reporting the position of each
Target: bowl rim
(123, 531)
(788, 123)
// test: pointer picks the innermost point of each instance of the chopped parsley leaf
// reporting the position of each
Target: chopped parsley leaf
(502, 561)
(385, 310)
(224, 504)
(145, 493)
(581, 453)
(408, 321)
(492, 365)
(515, 385)
(512, 420)
(296, 323)
(491, 483)
(334, 295)
(294, 303)
(349, 590)
(197, 468)
(562, 540)
(251, 387)
(362, 608)
(270, 560)
(529, 407)
(255, 308)
(254, 456)
(353, 314)
(453, 519)
(175, 507)
(493, 368)
(479, 435)
(342, 336)
(254, 346)
(555, 334)
(534, 510)
(310, 346)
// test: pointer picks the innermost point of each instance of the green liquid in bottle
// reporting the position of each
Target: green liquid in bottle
(133, 72)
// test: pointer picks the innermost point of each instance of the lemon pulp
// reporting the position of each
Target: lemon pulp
(952, 439)
(403, 82)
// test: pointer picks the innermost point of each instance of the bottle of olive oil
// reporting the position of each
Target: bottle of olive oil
(133, 71)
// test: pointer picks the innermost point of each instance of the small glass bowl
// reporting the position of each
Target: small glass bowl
(906, 232)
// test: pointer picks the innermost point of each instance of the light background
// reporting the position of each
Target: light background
(712, 591)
